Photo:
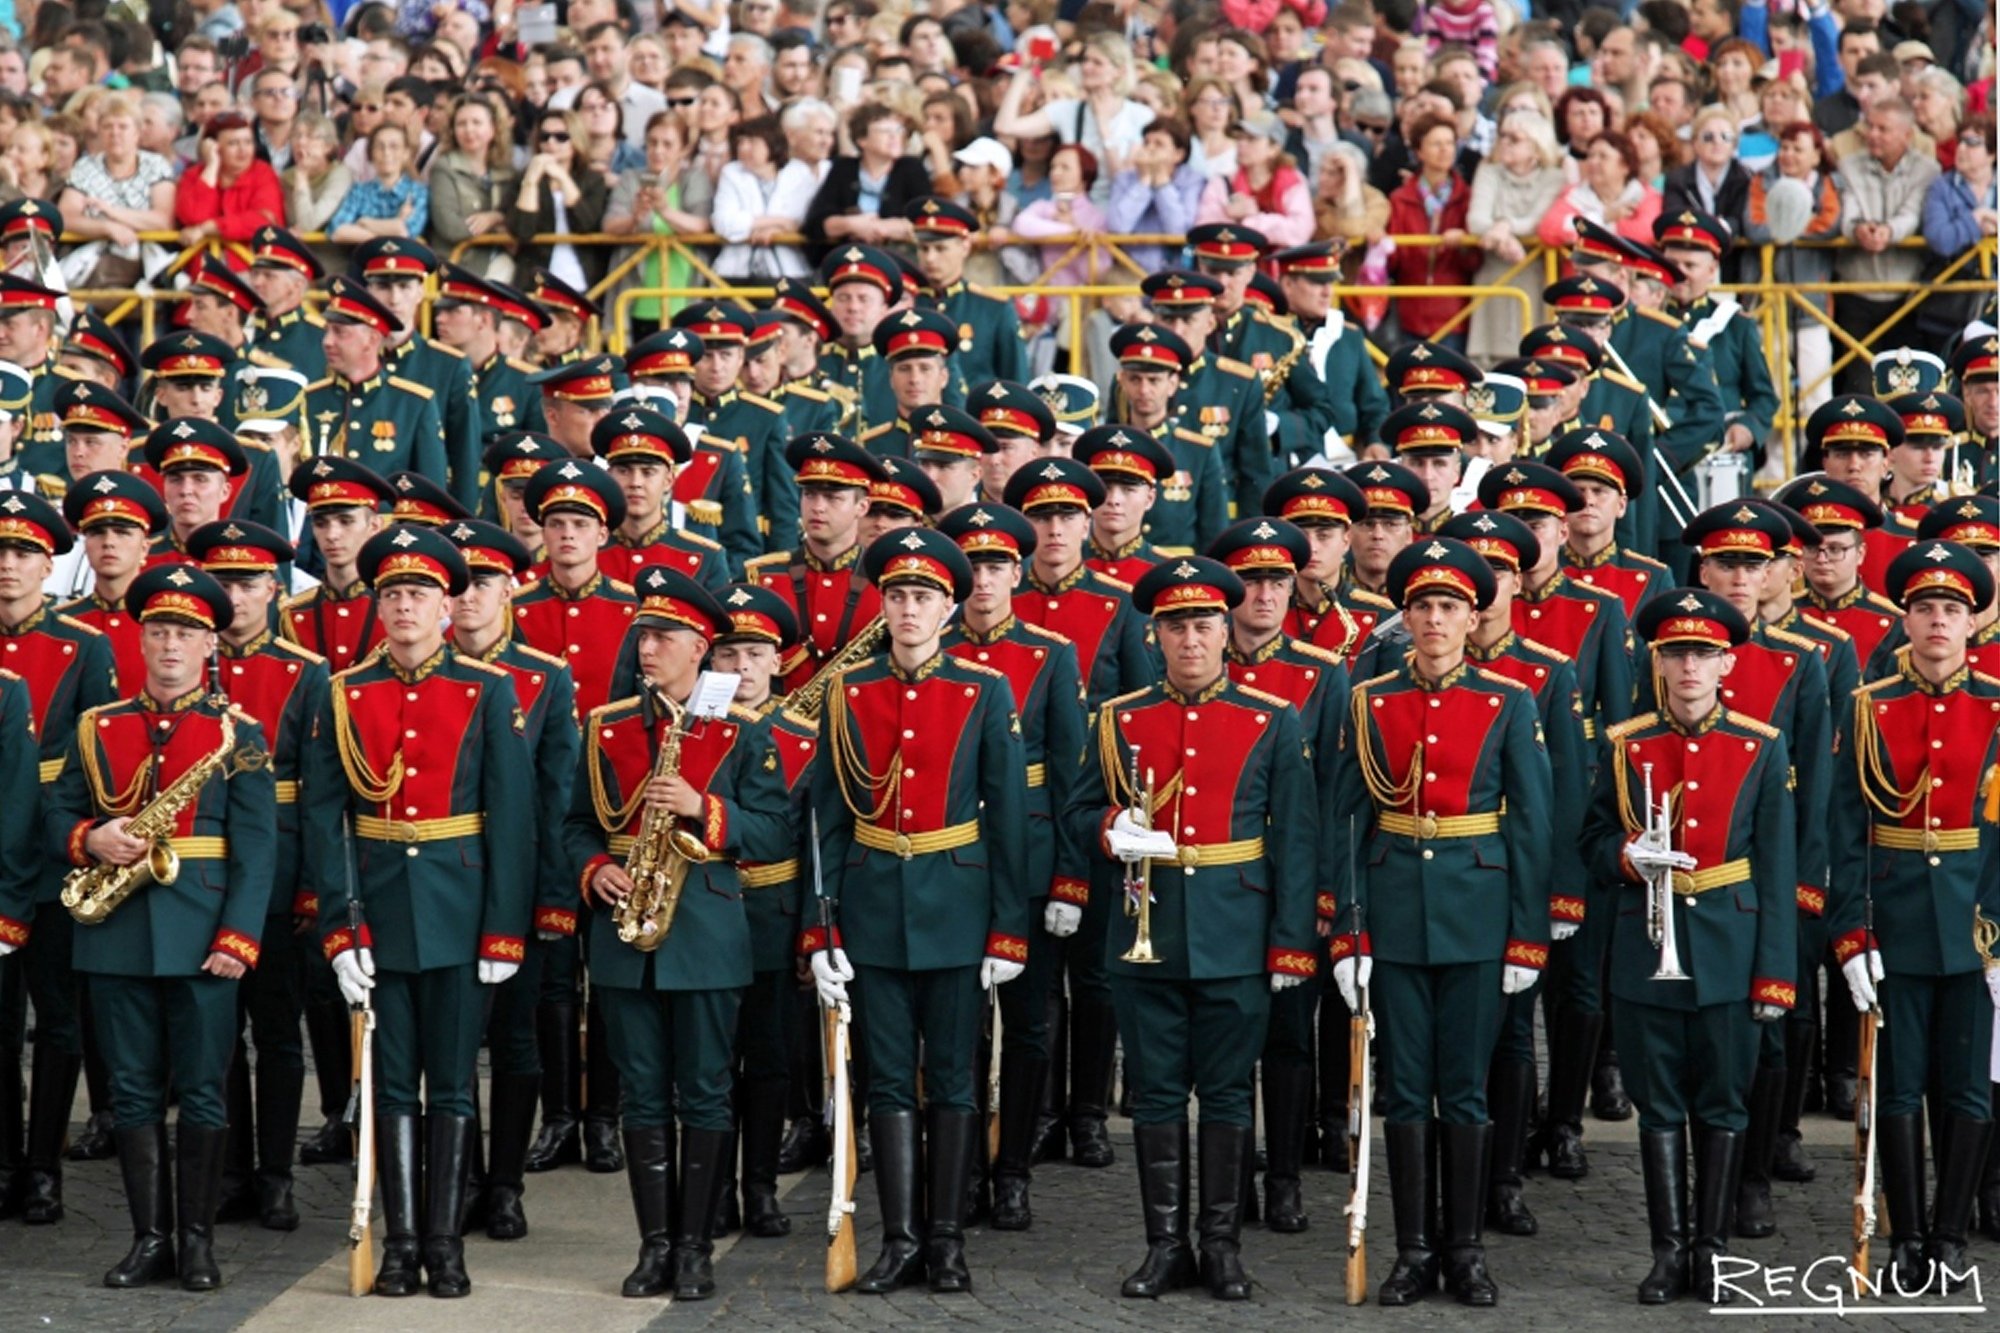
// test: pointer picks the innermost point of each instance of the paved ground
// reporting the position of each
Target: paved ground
(1578, 1273)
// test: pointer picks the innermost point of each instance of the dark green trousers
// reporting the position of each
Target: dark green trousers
(1516, 1043)
(1938, 1027)
(53, 983)
(1438, 1026)
(1192, 1037)
(510, 1026)
(1683, 1064)
(1289, 1039)
(764, 1027)
(427, 1040)
(675, 1051)
(273, 996)
(160, 1030)
(1024, 1010)
(936, 1014)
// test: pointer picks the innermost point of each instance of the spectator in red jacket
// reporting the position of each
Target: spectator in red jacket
(230, 193)
(1433, 201)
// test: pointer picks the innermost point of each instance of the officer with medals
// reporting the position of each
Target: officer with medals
(68, 669)
(1293, 390)
(282, 270)
(482, 629)
(1392, 497)
(422, 753)
(672, 1010)
(1266, 554)
(1131, 464)
(1607, 473)
(812, 403)
(1718, 873)
(749, 424)
(1975, 368)
(990, 343)
(466, 317)
(282, 686)
(1192, 506)
(364, 409)
(642, 450)
(1327, 610)
(396, 272)
(1508, 546)
(1337, 352)
(161, 964)
(1454, 880)
(916, 348)
(29, 311)
(1194, 961)
(337, 619)
(1914, 897)
(920, 803)
(1220, 398)
(1042, 672)
(116, 515)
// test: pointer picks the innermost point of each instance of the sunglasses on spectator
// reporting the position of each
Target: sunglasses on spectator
(372, 108)
(555, 136)
(282, 94)
(1717, 136)
(1367, 128)
(680, 103)
(1971, 141)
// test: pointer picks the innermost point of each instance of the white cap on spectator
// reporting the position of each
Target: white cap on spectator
(986, 152)
(1913, 50)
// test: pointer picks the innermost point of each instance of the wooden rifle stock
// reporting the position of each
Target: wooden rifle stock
(842, 1267)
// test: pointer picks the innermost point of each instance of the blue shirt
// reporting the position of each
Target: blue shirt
(371, 200)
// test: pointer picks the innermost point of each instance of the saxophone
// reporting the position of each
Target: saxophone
(1281, 369)
(809, 699)
(93, 893)
(661, 853)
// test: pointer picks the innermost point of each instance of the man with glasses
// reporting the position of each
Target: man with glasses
(274, 102)
(1853, 436)
(1835, 596)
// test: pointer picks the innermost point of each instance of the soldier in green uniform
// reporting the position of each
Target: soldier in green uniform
(1607, 398)
(1722, 861)
(1192, 506)
(672, 1010)
(1430, 372)
(1392, 497)
(220, 305)
(1508, 546)
(1231, 798)
(511, 458)
(929, 888)
(396, 272)
(162, 965)
(364, 410)
(1695, 242)
(1451, 794)
(1220, 397)
(990, 343)
(98, 352)
(712, 490)
(1328, 610)
(915, 347)
(195, 461)
(1429, 438)
(98, 428)
(441, 817)
(1293, 390)
(28, 310)
(1338, 353)
(1606, 471)
(642, 450)
(812, 402)
(1975, 368)
(1131, 463)
(950, 448)
(197, 376)
(466, 317)
(283, 268)
(565, 337)
(1913, 893)
(747, 424)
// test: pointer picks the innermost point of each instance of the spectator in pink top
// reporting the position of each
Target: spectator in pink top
(1266, 192)
(1611, 194)
(1072, 171)
(1256, 15)
(230, 193)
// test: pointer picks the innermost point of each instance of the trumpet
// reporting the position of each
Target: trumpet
(1139, 874)
(1660, 886)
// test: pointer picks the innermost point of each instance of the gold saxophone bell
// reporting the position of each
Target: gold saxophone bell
(661, 853)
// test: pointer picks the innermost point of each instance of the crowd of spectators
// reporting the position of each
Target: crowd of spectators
(782, 128)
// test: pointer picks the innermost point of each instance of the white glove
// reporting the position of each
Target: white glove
(1647, 856)
(1271, 424)
(831, 973)
(1350, 977)
(1285, 981)
(1992, 984)
(6, 948)
(1562, 930)
(1766, 1013)
(1514, 980)
(1062, 919)
(1862, 972)
(492, 972)
(998, 972)
(354, 969)
(1132, 841)
(548, 936)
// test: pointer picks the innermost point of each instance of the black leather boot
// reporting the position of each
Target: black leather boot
(1093, 1046)
(94, 1142)
(649, 1170)
(1415, 1272)
(1466, 1151)
(239, 1155)
(472, 1209)
(1510, 1092)
(704, 1166)
(1788, 1154)
(198, 1150)
(49, 1100)
(1899, 1148)
(763, 1123)
(447, 1148)
(13, 1127)
(1287, 1101)
(804, 1147)
(279, 1092)
(1837, 1057)
(1755, 1217)
(601, 1097)
(948, 1162)
(1169, 1265)
(142, 1161)
(1663, 1158)
(1718, 1173)
(328, 1032)
(1225, 1180)
(1051, 1134)
(1965, 1143)
(727, 1217)
(1021, 1079)
(513, 1099)
(1608, 1100)
(560, 1140)
(901, 1262)
(1572, 1050)
(1989, 1184)
(399, 1157)
(1335, 1067)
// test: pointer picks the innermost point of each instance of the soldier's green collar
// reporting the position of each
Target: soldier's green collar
(1303, 589)
(994, 635)
(1956, 680)
(250, 649)
(1604, 557)
(723, 399)
(147, 703)
(1786, 621)
(375, 381)
(1496, 652)
(1440, 685)
(358, 588)
(562, 594)
(1063, 584)
(423, 669)
(1849, 598)
(845, 560)
(1548, 590)
(1991, 634)
(1207, 692)
(1701, 728)
(289, 318)
(27, 626)
(924, 672)
(1269, 649)
(649, 537)
(499, 645)
(1126, 551)
(1927, 494)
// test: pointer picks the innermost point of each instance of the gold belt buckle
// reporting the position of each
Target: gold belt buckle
(1427, 827)
(1683, 883)
(1931, 840)
(1188, 854)
(903, 846)
(403, 830)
